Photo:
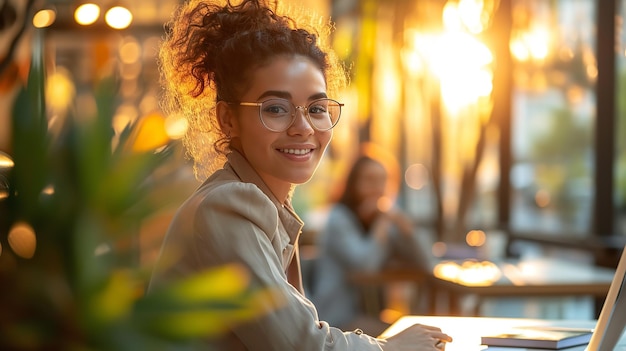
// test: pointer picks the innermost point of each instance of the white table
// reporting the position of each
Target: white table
(466, 331)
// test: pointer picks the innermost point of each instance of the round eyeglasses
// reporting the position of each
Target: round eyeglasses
(278, 115)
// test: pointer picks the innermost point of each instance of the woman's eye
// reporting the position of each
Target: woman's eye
(277, 109)
(317, 109)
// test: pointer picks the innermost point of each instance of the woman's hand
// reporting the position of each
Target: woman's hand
(417, 337)
(401, 220)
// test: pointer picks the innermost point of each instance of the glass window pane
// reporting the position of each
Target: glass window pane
(553, 48)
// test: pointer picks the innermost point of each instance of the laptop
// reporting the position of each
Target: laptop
(612, 319)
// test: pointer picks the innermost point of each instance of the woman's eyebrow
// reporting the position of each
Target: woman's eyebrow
(277, 93)
(318, 96)
(287, 95)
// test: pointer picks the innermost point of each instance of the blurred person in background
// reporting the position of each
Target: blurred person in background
(256, 88)
(364, 233)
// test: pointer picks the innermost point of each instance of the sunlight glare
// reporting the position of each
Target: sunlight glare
(471, 14)
(530, 45)
(176, 127)
(537, 42)
(451, 17)
(461, 63)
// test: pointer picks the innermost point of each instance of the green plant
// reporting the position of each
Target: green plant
(69, 278)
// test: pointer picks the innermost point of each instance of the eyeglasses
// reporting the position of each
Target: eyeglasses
(278, 115)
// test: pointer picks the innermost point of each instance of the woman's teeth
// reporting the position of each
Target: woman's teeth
(296, 151)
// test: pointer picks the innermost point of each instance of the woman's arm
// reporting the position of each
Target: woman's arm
(238, 223)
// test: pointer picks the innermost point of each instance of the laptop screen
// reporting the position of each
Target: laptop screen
(612, 317)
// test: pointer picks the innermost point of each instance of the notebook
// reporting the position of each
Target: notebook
(549, 338)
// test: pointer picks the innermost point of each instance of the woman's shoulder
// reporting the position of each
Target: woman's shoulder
(233, 192)
(232, 203)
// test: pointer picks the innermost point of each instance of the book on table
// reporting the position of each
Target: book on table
(539, 337)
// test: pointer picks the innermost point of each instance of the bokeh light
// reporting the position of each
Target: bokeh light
(22, 240)
(475, 238)
(176, 127)
(60, 89)
(469, 272)
(87, 14)
(118, 17)
(439, 249)
(44, 18)
(416, 176)
(542, 198)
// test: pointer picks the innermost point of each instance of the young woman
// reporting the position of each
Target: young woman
(257, 92)
(363, 233)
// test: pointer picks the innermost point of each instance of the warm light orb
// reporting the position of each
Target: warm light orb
(176, 127)
(48, 190)
(542, 198)
(483, 273)
(531, 45)
(519, 50)
(439, 249)
(469, 272)
(118, 17)
(538, 42)
(130, 51)
(416, 176)
(6, 161)
(87, 14)
(22, 240)
(475, 238)
(125, 115)
(60, 89)
(446, 270)
(44, 18)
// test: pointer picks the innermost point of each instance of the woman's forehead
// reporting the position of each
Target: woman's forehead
(296, 76)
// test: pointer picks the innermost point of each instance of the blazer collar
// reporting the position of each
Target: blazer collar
(243, 169)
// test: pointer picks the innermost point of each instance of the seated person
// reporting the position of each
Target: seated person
(363, 233)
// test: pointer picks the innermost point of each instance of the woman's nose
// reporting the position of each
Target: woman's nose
(301, 121)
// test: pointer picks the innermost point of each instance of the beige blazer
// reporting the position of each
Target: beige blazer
(234, 218)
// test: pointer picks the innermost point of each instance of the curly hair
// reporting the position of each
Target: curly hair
(209, 53)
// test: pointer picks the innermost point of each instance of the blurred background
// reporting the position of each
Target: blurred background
(508, 117)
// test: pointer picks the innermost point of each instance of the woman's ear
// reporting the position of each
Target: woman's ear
(226, 118)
